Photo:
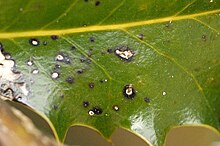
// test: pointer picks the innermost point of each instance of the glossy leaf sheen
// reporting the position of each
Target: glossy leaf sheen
(174, 70)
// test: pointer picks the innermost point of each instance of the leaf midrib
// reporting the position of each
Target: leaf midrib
(120, 26)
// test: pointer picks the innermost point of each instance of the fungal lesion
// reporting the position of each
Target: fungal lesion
(12, 82)
(129, 91)
(124, 53)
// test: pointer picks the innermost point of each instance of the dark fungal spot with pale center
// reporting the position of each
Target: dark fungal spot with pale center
(128, 91)
(85, 104)
(70, 80)
(34, 42)
(91, 85)
(62, 57)
(124, 53)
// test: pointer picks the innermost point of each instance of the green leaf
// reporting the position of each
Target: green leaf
(170, 56)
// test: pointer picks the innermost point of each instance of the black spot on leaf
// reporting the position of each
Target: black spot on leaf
(91, 85)
(97, 110)
(85, 104)
(92, 39)
(97, 3)
(141, 36)
(70, 80)
(147, 100)
(54, 37)
(110, 50)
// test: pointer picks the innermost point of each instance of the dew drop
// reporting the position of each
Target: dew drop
(124, 52)
(54, 37)
(85, 103)
(70, 80)
(115, 108)
(164, 93)
(128, 91)
(34, 42)
(55, 75)
(35, 71)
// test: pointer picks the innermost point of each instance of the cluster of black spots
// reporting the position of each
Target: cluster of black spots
(62, 57)
(95, 111)
(91, 85)
(128, 91)
(97, 3)
(34, 42)
(70, 80)
(141, 36)
(115, 108)
(124, 53)
(92, 39)
(147, 99)
(86, 104)
(54, 37)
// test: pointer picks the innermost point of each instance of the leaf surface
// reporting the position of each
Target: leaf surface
(166, 51)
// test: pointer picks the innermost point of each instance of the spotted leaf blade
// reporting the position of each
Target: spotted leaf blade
(142, 65)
